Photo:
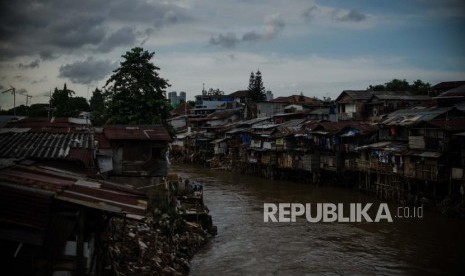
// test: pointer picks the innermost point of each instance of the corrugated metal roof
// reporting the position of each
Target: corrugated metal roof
(43, 145)
(219, 115)
(355, 95)
(426, 154)
(69, 188)
(219, 140)
(255, 120)
(419, 110)
(57, 125)
(386, 146)
(334, 127)
(447, 85)
(399, 95)
(240, 93)
(266, 126)
(454, 92)
(293, 123)
(142, 132)
(319, 111)
(236, 130)
(24, 206)
(381, 95)
(103, 142)
(414, 115)
(297, 99)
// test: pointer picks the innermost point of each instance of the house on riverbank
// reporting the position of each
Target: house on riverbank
(392, 144)
(64, 182)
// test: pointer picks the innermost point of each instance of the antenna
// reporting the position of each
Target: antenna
(13, 91)
(27, 107)
(27, 99)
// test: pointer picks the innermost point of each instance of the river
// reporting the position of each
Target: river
(245, 245)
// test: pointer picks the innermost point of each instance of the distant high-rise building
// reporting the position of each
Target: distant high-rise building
(182, 96)
(173, 98)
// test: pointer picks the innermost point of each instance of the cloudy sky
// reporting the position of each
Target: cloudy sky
(316, 47)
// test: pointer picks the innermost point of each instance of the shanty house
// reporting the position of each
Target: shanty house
(43, 139)
(53, 222)
(384, 102)
(134, 150)
(351, 104)
(278, 105)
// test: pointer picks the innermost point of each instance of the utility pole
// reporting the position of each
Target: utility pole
(27, 100)
(50, 104)
(13, 91)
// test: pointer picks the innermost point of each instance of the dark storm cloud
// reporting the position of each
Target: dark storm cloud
(76, 31)
(30, 65)
(87, 71)
(121, 37)
(159, 14)
(47, 55)
(55, 27)
(274, 25)
(351, 16)
(146, 35)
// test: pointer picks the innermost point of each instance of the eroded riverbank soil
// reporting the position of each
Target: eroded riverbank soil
(158, 245)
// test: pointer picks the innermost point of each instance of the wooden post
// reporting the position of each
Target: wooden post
(80, 263)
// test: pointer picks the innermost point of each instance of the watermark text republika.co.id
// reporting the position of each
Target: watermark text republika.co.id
(338, 212)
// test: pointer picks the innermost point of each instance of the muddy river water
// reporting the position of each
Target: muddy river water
(246, 245)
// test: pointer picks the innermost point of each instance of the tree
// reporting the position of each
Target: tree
(38, 110)
(191, 103)
(251, 82)
(78, 104)
(256, 90)
(215, 92)
(65, 105)
(420, 88)
(135, 94)
(61, 102)
(397, 85)
(378, 87)
(97, 108)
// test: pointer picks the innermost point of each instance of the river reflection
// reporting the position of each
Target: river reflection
(245, 245)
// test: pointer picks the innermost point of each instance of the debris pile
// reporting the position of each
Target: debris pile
(162, 244)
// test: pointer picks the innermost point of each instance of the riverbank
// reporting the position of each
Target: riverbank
(347, 179)
(163, 242)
